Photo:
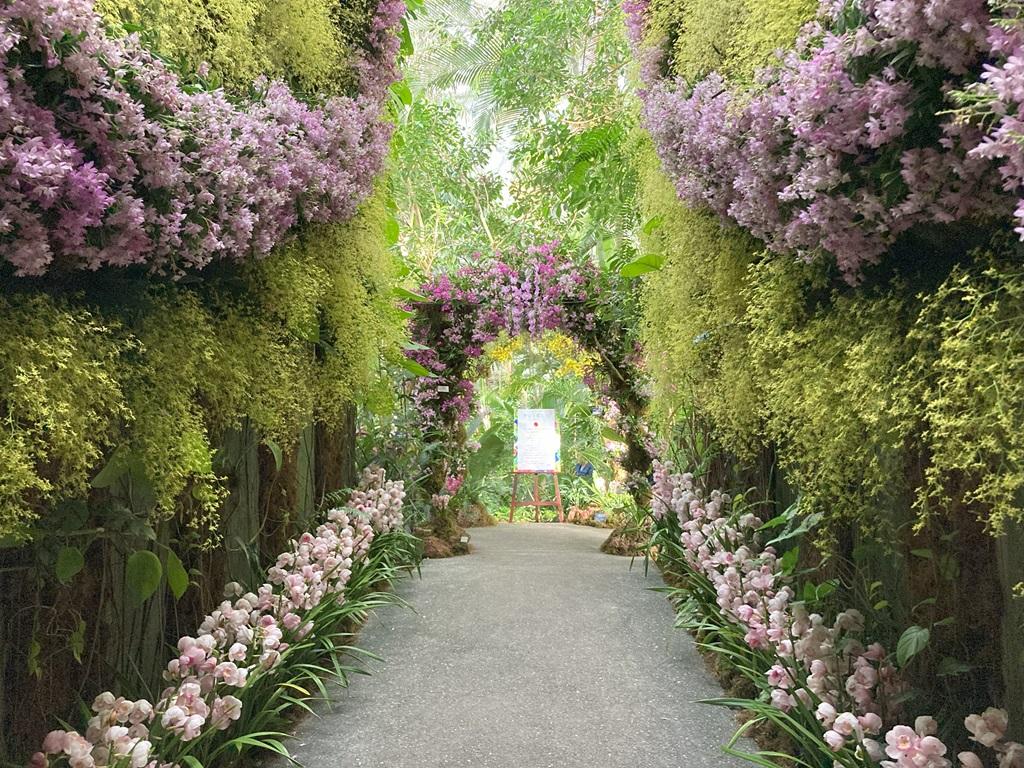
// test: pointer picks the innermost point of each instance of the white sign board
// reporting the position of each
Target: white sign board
(538, 444)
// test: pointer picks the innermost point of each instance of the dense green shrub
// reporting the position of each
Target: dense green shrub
(828, 365)
(869, 398)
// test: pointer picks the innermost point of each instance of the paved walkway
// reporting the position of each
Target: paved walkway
(537, 650)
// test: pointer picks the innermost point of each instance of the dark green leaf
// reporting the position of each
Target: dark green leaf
(143, 572)
(950, 667)
(650, 263)
(413, 367)
(275, 449)
(177, 576)
(114, 470)
(913, 640)
(69, 562)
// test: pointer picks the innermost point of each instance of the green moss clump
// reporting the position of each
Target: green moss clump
(61, 405)
(734, 39)
(967, 384)
(694, 329)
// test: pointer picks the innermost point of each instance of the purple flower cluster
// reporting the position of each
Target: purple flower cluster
(528, 292)
(843, 145)
(109, 160)
(999, 98)
(635, 11)
(245, 639)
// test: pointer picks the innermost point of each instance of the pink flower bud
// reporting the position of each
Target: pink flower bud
(834, 740)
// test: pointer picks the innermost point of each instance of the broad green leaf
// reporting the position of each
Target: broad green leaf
(826, 588)
(74, 514)
(913, 640)
(578, 174)
(34, 650)
(402, 91)
(610, 434)
(275, 449)
(392, 230)
(484, 459)
(413, 367)
(653, 224)
(652, 262)
(405, 293)
(177, 576)
(789, 560)
(143, 572)
(950, 667)
(406, 48)
(114, 470)
(76, 640)
(775, 522)
(69, 562)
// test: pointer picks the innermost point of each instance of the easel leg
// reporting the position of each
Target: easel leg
(536, 498)
(512, 504)
(558, 500)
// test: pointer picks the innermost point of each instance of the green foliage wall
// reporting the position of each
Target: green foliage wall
(693, 325)
(306, 42)
(157, 378)
(731, 38)
(896, 400)
(188, 421)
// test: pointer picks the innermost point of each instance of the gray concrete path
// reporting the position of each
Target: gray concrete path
(536, 650)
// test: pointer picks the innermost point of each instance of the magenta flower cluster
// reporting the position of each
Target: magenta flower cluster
(529, 292)
(849, 140)
(245, 639)
(820, 667)
(108, 159)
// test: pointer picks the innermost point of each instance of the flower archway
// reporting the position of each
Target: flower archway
(540, 288)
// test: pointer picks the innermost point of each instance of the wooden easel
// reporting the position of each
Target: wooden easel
(536, 500)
